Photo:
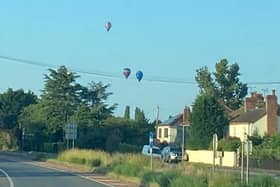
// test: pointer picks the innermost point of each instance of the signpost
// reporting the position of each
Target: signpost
(151, 142)
(71, 133)
(215, 149)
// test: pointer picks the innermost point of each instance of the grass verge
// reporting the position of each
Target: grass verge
(136, 168)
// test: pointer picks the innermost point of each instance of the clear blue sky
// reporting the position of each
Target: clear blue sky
(163, 38)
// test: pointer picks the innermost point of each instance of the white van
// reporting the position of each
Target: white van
(156, 151)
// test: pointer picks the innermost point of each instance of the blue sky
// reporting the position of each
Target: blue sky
(163, 38)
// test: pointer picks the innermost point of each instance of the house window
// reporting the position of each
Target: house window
(159, 133)
(165, 132)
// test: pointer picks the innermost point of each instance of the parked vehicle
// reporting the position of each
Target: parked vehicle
(156, 151)
(171, 154)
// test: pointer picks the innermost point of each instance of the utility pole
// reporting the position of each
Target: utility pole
(242, 163)
(157, 115)
(247, 169)
(23, 134)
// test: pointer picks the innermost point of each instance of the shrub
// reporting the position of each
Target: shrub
(77, 160)
(131, 170)
(228, 144)
(128, 148)
(225, 180)
(94, 162)
(189, 181)
(264, 181)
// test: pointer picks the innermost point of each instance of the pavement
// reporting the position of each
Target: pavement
(19, 171)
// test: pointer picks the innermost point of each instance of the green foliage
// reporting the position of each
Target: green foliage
(11, 105)
(131, 170)
(113, 141)
(54, 147)
(192, 181)
(207, 118)
(226, 84)
(7, 141)
(136, 165)
(228, 144)
(264, 181)
(128, 148)
(225, 180)
(59, 100)
(268, 149)
(127, 112)
(139, 115)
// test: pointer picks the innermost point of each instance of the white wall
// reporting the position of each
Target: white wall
(205, 156)
(260, 126)
(172, 133)
(238, 130)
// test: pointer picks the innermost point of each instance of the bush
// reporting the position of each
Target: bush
(77, 160)
(225, 180)
(53, 147)
(228, 144)
(189, 181)
(128, 148)
(86, 157)
(131, 170)
(264, 181)
(94, 162)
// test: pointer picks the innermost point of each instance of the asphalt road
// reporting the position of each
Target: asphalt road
(20, 174)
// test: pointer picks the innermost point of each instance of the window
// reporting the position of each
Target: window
(165, 132)
(159, 133)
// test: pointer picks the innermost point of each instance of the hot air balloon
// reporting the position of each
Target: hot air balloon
(126, 72)
(108, 26)
(139, 75)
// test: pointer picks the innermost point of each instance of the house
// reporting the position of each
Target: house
(259, 117)
(167, 130)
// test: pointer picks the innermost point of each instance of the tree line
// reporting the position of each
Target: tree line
(38, 122)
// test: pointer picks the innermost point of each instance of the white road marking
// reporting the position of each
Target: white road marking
(64, 171)
(8, 177)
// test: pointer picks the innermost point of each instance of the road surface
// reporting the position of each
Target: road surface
(21, 174)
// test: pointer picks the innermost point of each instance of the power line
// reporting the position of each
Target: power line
(108, 75)
(100, 74)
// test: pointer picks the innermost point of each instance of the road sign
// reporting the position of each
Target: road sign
(215, 145)
(71, 131)
(151, 139)
(250, 147)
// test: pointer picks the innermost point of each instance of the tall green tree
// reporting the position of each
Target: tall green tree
(11, 105)
(59, 99)
(207, 118)
(139, 115)
(225, 85)
(96, 96)
(127, 112)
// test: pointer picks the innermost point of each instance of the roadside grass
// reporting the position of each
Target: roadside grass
(136, 168)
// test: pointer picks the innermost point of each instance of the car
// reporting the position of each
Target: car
(171, 154)
(156, 151)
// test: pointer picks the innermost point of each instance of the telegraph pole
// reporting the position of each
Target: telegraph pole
(242, 163)
(157, 115)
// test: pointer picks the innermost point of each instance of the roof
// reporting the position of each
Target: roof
(173, 121)
(250, 116)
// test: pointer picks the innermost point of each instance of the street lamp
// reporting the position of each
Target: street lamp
(183, 140)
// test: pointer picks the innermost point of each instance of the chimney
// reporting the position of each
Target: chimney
(252, 102)
(186, 115)
(271, 112)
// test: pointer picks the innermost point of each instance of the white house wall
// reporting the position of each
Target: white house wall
(172, 134)
(260, 126)
(238, 130)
